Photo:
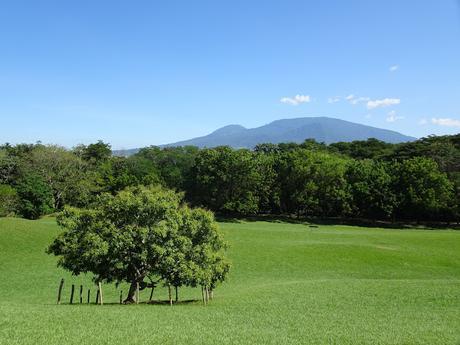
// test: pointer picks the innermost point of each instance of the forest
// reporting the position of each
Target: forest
(413, 181)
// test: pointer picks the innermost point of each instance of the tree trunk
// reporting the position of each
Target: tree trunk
(130, 298)
(170, 295)
(177, 293)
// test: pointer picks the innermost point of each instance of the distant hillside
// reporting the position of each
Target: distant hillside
(322, 129)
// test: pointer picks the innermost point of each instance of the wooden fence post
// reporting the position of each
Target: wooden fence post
(61, 284)
(81, 294)
(100, 293)
(71, 293)
(202, 295)
(170, 295)
(151, 294)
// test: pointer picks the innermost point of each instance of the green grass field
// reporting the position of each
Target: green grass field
(289, 284)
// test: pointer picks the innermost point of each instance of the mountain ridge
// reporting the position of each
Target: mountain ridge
(322, 129)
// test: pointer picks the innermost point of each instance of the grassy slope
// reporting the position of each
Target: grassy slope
(290, 284)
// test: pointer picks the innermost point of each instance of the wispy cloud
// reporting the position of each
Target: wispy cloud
(334, 99)
(380, 103)
(448, 122)
(392, 117)
(423, 122)
(296, 100)
(393, 68)
(352, 99)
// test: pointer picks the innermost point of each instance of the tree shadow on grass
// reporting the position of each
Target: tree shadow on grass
(166, 302)
(152, 302)
(313, 222)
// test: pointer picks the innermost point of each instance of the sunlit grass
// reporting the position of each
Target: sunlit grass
(289, 284)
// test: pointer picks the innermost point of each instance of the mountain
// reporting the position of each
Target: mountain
(322, 129)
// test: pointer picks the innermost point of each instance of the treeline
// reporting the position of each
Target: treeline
(369, 179)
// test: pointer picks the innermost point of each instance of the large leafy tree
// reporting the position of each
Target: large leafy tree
(65, 174)
(35, 196)
(371, 190)
(313, 183)
(423, 191)
(172, 163)
(226, 180)
(137, 234)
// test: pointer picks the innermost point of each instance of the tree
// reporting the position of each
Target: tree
(64, 172)
(8, 200)
(422, 190)
(8, 166)
(172, 163)
(35, 196)
(136, 234)
(313, 183)
(371, 189)
(226, 180)
(95, 153)
(195, 256)
(364, 149)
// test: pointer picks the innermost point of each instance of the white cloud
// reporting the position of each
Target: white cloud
(392, 117)
(333, 99)
(359, 100)
(296, 100)
(386, 102)
(446, 122)
(352, 99)
(394, 68)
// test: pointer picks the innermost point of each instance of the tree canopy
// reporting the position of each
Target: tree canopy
(142, 233)
(412, 181)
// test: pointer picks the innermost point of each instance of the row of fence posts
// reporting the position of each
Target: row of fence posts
(206, 294)
(99, 299)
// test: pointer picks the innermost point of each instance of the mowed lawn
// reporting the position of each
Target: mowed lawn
(289, 284)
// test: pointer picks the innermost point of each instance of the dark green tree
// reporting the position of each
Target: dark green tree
(35, 196)
(8, 200)
(423, 192)
(371, 190)
(226, 180)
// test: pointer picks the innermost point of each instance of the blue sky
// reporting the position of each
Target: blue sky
(137, 73)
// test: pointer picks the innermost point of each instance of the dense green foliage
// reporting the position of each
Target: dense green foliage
(412, 181)
(291, 284)
(141, 233)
